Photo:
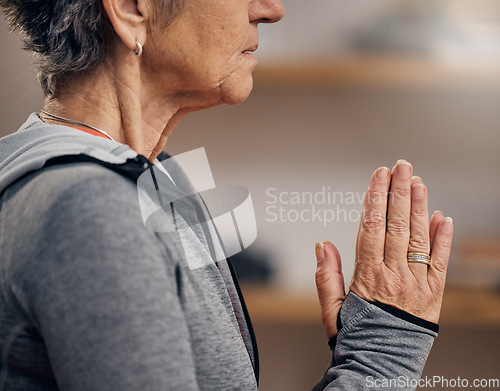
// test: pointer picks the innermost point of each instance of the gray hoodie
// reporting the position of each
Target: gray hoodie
(92, 298)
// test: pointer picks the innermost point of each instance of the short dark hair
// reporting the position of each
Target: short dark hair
(68, 36)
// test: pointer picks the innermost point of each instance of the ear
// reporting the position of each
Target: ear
(129, 19)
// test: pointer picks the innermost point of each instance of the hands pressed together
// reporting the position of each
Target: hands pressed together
(394, 222)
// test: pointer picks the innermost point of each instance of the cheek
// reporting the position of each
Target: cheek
(203, 52)
(231, 34)
(221, 58)
(214, 55)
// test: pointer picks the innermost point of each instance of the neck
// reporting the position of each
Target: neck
(122, 107)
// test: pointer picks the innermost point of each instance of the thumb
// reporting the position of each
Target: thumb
(329, 284)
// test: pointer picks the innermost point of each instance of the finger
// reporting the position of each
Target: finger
(419, 228)
(398, 216)
(329, 284)
(416, 179)
(371, 235)
(440, 254)
(329, 265)
(436, 219)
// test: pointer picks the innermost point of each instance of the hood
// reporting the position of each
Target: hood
(36, 142)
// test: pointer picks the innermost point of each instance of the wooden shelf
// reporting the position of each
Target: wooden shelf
(469, 306)
(271, 305)
(462, 306)
(377, 71)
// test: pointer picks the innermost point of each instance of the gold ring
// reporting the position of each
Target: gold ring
(419, 258)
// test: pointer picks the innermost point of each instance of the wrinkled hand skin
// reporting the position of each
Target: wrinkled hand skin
(394, 222)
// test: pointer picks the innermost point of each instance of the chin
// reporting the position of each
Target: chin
(236, 90)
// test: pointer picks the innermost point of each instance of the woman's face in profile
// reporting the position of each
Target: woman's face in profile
(204, 49)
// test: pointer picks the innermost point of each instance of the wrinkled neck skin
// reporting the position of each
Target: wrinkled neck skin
(133, 104)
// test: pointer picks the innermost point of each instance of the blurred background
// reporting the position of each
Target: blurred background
(342, 88)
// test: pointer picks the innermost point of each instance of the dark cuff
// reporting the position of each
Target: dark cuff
(332, 342)
(407, 316)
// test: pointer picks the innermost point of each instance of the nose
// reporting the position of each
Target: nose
(266, 11)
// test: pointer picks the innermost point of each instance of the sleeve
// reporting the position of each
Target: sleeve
(103, 293)
(377, 349)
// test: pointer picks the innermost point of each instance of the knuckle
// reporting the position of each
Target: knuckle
(439, 264)
(372, 220)
(322, 276)
(397, 225)
(418, 242)
(319, 276)
(420, 212)
(400, 192)
(442, 243)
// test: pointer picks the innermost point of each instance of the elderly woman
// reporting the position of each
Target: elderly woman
(92, 299)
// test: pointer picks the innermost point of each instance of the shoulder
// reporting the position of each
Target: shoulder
(76, 189)
(81, 219)
(84, 181)
(81, 207)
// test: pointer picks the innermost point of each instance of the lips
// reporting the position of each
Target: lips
(251, 49)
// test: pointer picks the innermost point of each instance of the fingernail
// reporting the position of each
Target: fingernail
(416, 177)
(448, 225)
(404, 168)
(320, 251)
(383, 174)
(417, 191)
(400, 161)
(438, 211)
